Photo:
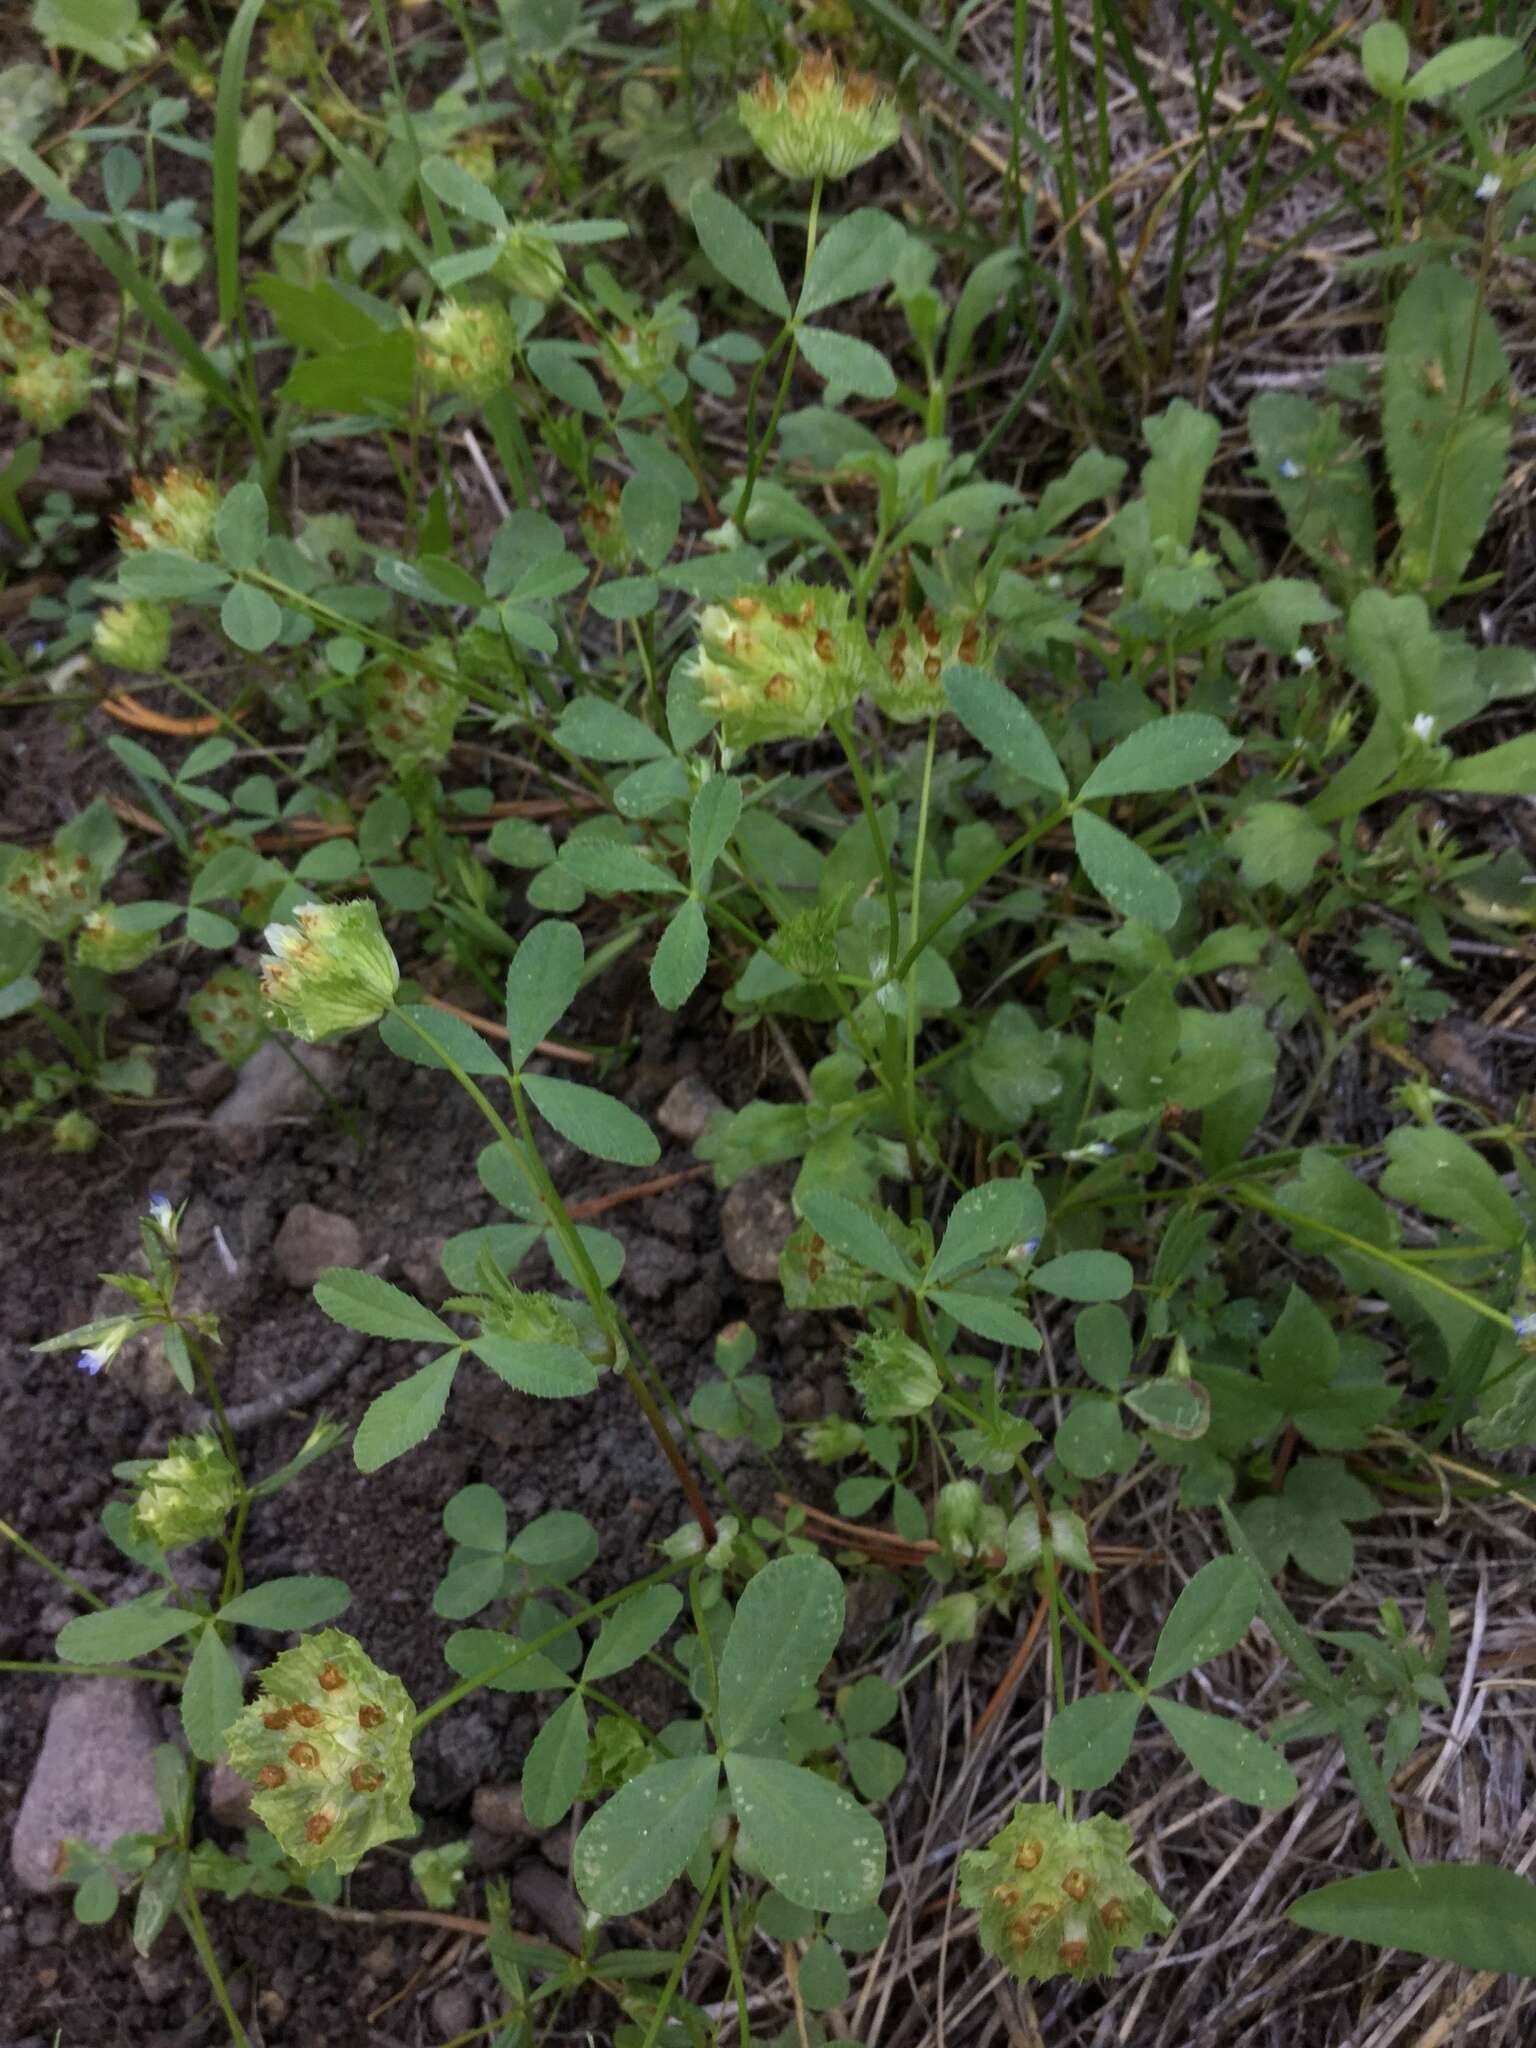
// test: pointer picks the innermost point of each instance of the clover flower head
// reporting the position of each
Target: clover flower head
(178, 512)
(466, 350)
(74, 1131)
(47, 388)
(327, 1747)
(50, 889)
(907, 681)
(186, 1495)
(777, 661)
(136, 635)
(822, 123)
(1058, 1897)
(1489, 186)
(411, 713)
(107, 944)
(893, 1375)
(329, 971)
(529, 264)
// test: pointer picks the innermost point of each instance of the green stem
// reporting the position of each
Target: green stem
(198, 1930)
(758, 446)
(993, 867)
(690, 1943)
(57, 1571)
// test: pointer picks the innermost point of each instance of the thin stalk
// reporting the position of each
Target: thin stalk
(197, 1928)
(759, 447)
(690, 1942)
(57, 1571)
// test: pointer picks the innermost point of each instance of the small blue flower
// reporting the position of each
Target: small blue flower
(1489, 186)
(93, 1361)
(1525, 1328)
(162, 1212)
(1305, 658)
(1290, 470)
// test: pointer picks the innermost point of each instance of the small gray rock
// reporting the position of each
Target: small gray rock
(229, 1797)
(453, 2011)
(549, 1898)
(555, 1848)
(311, 1240)
(500, 1809)
(280, 1083)
(755, 1222)
(687, 1108)
(492, 1852)
(94, 1776)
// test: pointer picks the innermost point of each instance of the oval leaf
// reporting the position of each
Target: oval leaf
(1473, 1914)
(1090, 1740)
(1167, 754)
(1227, 1757)
(811, 1840)
(788, 1622)
(592, 1121)
(541, 984)
(635, 1846)
(1210, 1616)
(1128, 879)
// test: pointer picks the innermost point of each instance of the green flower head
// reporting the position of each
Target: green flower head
(822, 124)
(466, 350)
(24, 329)
(777, 662)
(892, 1375)
(48, 388)
(329, 971)
(49, 890)
(74, 1131)
(411, 715)
(327, 1750)
(911, 657)
(529, 264)
(177, 512)
(186, 1495)
(107, 944)
(227, 1016)
(1058, 1897)
(136, 635)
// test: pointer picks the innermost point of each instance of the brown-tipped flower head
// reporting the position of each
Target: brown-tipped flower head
(1058, 1897)
(912, 655)
(777, 662)
(178, 512)
(823, 123)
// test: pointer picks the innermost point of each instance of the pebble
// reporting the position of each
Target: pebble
(229, 1797)
(549, 1898)
(492, 1852)
(278, 1084)
(755, 1222)
(94, 1776)
(40, 1926)
(686, 1109)
(310, 1241)
(499, 1808)
(453, 2010)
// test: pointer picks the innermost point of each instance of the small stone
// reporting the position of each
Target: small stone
(453, 2010)
(755, 1222)
(686, 1109)
(229, 1797)
(492, 1852)
(40, 1926)
(500, 1809)
(159, 1979)
(280, 1083)
(421, 1268)
(555, 1848)
(380, 1959)
(149, 991)
(310, 1241)
(93, 1779)
(272, 2006)
(549, 1898)
(210, 1081)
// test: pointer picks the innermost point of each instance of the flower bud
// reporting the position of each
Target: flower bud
(807, 942)
(411, 715)
(1058, 1897)
(957, 1517)
(177, 512)
(466, 350)
(107, 1339)
(227, 1016)
(777, 662)
(1069, 1541)
(136, 635)
(529, 264)
(186, 1495)
(892, 1375)
(107, 944)
(47, 388)
(950, 1620)
(832, 1439)
(603, 528)
(820, 125)
(345, 1786)
(329, 971)
(75, 1132)
(910, 659)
